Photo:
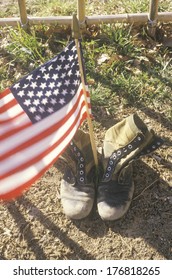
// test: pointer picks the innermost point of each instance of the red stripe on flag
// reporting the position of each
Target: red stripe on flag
(11, 119)
(14, 131)
(4, 93)
(8, 106)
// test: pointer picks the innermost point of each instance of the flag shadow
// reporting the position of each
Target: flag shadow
(148, 220)
(77, 251)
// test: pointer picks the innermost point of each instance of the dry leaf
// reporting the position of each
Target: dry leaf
(104, 57)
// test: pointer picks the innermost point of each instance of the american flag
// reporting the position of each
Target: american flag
(39, 116)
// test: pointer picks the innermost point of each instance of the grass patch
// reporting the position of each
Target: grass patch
(60, 7)
(137, 75)
(25, 47)
(123, 65)
(53, 7)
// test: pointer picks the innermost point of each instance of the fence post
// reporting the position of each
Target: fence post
(23, 14)
(81, 12)
(152, 20)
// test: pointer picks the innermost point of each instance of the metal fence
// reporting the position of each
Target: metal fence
(151, 17)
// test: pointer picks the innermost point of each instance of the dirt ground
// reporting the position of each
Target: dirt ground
(35, 227)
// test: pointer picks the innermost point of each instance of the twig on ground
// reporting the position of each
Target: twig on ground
(146, 189)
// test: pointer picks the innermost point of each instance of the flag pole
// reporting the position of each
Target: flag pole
(76, 35)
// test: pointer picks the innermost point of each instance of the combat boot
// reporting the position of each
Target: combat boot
(124, 142)
(77, 189)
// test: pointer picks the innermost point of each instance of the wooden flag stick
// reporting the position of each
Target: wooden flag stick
(76, 35)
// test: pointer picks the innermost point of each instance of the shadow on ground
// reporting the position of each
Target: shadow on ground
(148, 219)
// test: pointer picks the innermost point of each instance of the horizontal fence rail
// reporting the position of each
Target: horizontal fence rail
(151, 17)
(89, 20)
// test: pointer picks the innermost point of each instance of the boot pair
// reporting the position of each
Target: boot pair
(113, 189)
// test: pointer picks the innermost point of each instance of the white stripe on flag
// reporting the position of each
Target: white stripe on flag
(11, 113)
(6, 99)
(22, 119)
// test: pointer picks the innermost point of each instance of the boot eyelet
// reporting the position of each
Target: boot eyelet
(81, 179)
(114, 156)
